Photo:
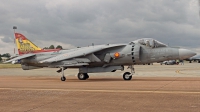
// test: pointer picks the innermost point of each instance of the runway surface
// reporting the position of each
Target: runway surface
(155, 87)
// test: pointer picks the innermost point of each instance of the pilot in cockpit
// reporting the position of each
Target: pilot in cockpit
(149, 42)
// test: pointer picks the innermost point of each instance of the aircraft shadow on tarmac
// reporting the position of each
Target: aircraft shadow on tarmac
(77, 80)
(115, 79)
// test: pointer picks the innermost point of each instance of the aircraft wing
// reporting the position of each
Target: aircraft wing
(79, 52)
(20, 57)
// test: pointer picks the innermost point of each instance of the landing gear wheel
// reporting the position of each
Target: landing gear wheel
(127, 76)
(82, 76)
(63, 78)
(87, 76)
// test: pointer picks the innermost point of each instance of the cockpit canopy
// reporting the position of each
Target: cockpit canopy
(150, 42)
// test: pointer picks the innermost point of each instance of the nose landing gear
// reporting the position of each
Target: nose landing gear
(128, 75)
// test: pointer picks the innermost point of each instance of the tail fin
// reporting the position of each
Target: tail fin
(24, 45)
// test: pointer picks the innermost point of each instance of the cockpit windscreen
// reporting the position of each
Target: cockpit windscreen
(150, 42)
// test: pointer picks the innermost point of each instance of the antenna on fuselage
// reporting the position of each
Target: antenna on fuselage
(14, 28)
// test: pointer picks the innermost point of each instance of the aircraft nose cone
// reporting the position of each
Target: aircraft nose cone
(184, 53)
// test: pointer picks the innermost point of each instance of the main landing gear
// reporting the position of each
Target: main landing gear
(81, 76)
(128, 75)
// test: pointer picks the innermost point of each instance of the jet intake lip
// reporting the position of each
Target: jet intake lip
(185, 53)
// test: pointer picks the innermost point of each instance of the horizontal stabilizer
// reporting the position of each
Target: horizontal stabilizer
(20, 57)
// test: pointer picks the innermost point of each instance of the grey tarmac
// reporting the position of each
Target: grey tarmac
(153, 88)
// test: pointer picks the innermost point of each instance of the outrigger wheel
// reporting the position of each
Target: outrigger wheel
(63, 78)
(127, 76)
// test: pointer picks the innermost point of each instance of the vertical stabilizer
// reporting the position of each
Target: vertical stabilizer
(24, 45)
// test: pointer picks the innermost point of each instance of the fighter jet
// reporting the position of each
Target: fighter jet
(96, 58)
(194, 58)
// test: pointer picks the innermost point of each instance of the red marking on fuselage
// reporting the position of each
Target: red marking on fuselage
(116, 55)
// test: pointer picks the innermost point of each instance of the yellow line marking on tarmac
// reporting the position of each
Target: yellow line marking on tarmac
(181, 71)
(106, 91)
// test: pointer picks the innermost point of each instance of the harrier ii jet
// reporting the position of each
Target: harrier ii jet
(96, 58)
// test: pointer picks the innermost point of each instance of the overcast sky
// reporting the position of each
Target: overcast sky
(73, 23)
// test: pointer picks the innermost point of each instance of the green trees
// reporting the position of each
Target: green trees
(5, 55)
(59, 47)
(52, 47)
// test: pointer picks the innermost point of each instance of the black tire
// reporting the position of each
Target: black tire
(63, 78)
(199, 61)
(82, 76)
(87, 76)
(126, 77)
